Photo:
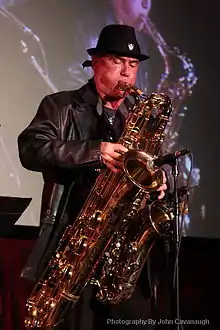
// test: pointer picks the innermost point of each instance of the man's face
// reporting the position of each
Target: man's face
(108, 70)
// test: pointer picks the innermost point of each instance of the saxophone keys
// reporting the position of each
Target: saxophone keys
(110, 261)
(97, 216)
(34, 312)
(134, 246)
(95, 281)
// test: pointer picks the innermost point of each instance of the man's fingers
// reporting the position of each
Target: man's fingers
(116, 163)
(117, 156)
(164, 177)
(113, 164)
(162, 194)
(113, 168)
(162, 187)
(119, 148)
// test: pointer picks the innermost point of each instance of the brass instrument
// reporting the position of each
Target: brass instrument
(111, 224)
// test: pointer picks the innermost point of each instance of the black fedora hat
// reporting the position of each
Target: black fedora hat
(119, 40)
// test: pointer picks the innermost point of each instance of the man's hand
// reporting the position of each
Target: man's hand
(163, 187)
(112, 155)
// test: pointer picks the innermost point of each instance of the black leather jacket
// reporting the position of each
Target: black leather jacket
(63, 142)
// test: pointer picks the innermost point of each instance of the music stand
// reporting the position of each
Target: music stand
(11, 208)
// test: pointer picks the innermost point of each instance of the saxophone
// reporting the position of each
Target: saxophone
(110, 221)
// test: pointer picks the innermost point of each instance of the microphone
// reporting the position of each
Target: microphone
(185, 190)
(170, 158)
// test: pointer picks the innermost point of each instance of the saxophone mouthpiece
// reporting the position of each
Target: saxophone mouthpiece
(130, 89)
(122, 85)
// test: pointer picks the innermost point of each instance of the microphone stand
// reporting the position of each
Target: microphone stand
(172, 251)
(175, 308)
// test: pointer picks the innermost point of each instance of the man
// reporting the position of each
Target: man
(73, 134)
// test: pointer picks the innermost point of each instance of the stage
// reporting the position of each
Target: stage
(199, 279)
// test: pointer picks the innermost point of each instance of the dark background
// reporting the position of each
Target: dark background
(194, 26)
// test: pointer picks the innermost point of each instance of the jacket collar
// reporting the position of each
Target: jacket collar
(90, 94)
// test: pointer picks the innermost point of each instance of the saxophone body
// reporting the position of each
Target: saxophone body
(143, 220)
(110, 224)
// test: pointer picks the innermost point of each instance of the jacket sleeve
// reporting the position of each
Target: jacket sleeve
(40, 146)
